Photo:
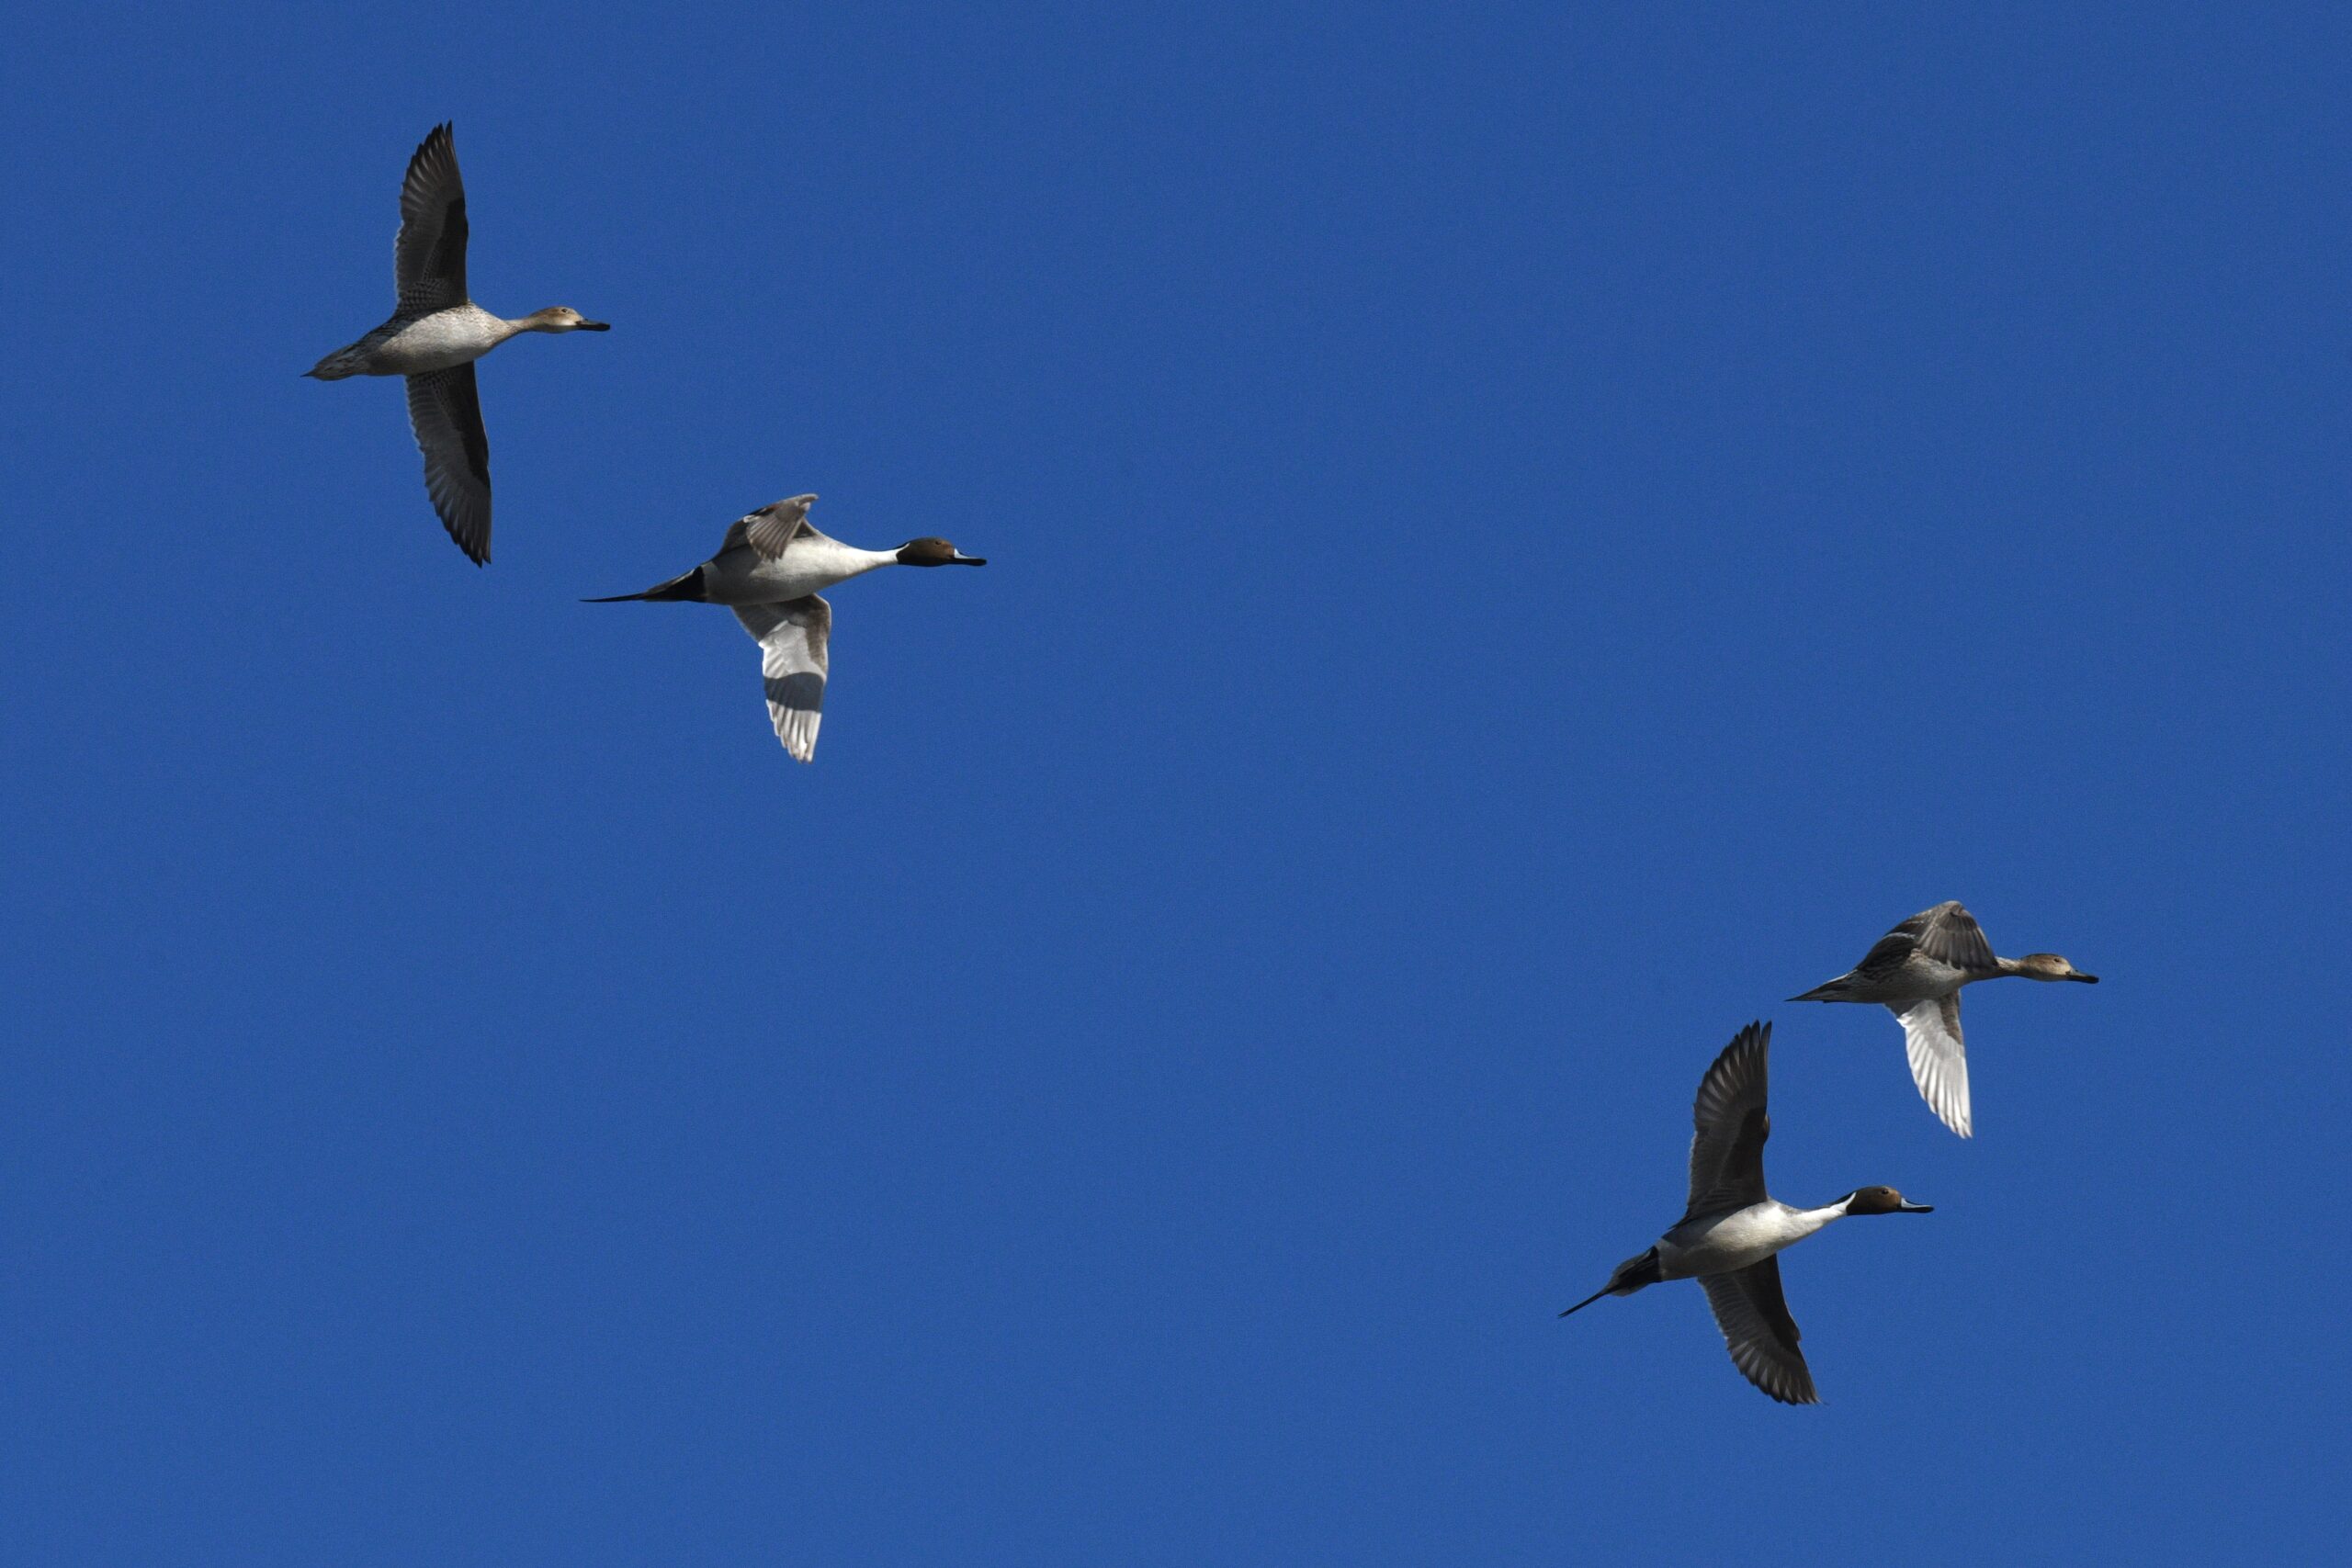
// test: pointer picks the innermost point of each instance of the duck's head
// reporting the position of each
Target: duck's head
(2050, 966)
(562, 319)
(935, 552)
(1884, 1200)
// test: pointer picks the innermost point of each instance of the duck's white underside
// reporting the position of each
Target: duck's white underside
(741, 576)
(1739, 1239)
(440, 341)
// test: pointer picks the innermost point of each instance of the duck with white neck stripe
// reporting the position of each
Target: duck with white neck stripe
(1731, 1234)
(768, 571)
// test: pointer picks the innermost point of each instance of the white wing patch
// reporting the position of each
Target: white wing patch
(1939, 1060)
(793, 638)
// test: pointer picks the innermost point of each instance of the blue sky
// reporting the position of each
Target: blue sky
(1520, 540)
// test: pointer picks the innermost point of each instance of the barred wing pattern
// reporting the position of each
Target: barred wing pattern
(792, 637)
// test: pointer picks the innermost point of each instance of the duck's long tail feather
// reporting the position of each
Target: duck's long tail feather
(688, 586)
(1587, 1301)
(1625, 1279)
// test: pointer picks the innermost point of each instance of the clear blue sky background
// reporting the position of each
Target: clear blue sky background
(1520, 540)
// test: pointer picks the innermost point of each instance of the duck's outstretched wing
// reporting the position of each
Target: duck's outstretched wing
(1932, 1039)
(1947, 933)
(444, 412)
(793, 637)
(772, 527)
(1761, 1336)
(1730, 1125)
(429, 257)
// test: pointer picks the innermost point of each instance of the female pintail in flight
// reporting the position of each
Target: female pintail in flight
(1730, 1237)
(768, 571)
(434, 336)
(1917, 971)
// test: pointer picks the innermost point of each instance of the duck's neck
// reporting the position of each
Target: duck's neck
(837, 562)
(2005, 967)
(536, 321)
(871, 560)
(1805, 1221)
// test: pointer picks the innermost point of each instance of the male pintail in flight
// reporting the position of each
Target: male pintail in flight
(768, 571)
(1730, 1237)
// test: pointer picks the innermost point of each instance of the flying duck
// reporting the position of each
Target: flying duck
(1730, 1236)
(768, 571)
(1917, 971)
(433, 337)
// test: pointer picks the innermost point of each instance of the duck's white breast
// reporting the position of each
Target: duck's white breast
(809, 566)
(1735, 1240)
(440, 341)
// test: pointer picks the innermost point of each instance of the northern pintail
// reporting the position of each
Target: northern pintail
(1916, 971)
(435, 334)
(1730, 1237)
(768, 571)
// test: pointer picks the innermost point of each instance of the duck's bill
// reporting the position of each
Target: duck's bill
(595, 326)
(1908, 1208)
(2086, 979)
(963, 559)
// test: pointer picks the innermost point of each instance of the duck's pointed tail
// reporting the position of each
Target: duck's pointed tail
(340, 365)
(1587, 1301)
(1625, 1279)
(688, 586)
